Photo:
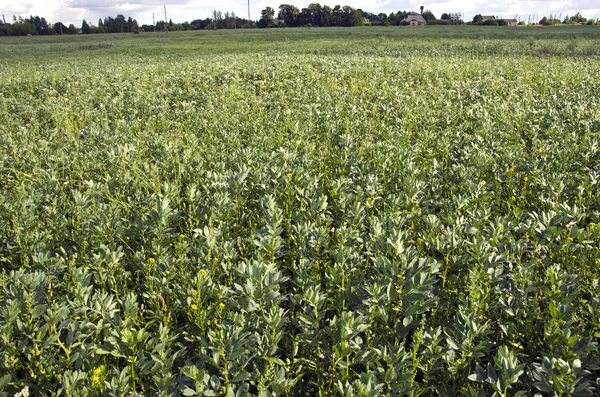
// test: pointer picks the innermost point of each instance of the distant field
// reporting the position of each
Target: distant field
(299, 212)
(392, 41)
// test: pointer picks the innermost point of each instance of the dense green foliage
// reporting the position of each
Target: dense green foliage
(301, 212)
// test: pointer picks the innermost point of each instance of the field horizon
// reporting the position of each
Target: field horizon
(368, 38)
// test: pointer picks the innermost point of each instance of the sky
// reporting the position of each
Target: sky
(74, 11)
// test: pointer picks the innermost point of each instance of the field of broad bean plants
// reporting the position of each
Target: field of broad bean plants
(301, 212)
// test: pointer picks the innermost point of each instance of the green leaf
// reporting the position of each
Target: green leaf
(543, 387)
(4, 381)
(275, 360)
(188, 391)
(452, 344)
(240, 377)
(215, 382)
(242, 391)
(38, 311)
(476, 378)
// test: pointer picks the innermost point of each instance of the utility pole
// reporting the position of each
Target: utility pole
(166, 30)
(153, 23)
(3, 20)
(248, 12)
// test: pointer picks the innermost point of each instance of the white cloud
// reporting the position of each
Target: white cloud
(73, 11)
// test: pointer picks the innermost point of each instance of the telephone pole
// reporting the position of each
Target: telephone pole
(153, 23)
(166, 30)
(248, 12)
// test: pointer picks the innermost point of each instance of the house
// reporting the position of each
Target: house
(488, 18)
(511, 22)
(414, 20)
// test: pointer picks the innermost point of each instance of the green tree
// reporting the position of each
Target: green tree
(478, 19)
(428, 16)
(266, 18)
(578, 18)
(315, 14)
(22, 28)
(289, 14)
(325, 16)
(336, 16)
(60, 28)
(40, 24)
(85, 28)
(352, 17)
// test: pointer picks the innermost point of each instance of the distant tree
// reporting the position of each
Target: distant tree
(428, 16)
(72, 29)
(352, 17)
(325, 15)
(60, 28)
(394, 18)
(85, 28)
(445, 16)
(176, 27)
(266, 18)
(501, 22)
(201, 24)
(478, 19)
(289, 14)
(120, 24)
(40, 24)
(319, 16)
(456, 17)
(22, 28)
(217, 20)
(578, 18)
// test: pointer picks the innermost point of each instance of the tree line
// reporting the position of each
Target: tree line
(39, 26)
(576, 19)
(288, 15)
(321, 16)
(218, 20)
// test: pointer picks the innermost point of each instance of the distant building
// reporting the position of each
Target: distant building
(512, 22)
(414, 20)
(488, 17)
